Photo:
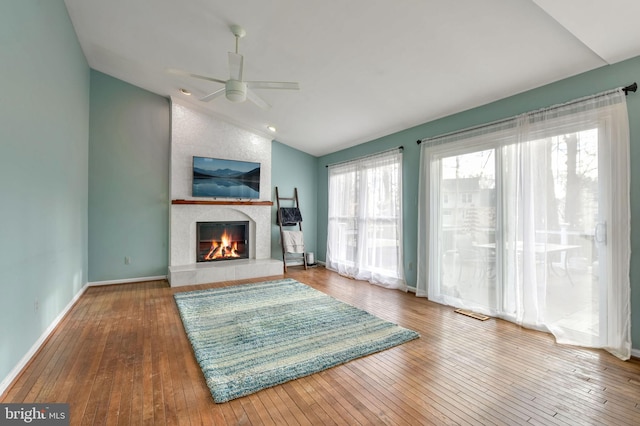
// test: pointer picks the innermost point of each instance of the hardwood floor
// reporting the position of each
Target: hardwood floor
(121, 357)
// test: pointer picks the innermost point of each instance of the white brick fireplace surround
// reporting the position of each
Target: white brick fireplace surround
(194, 132)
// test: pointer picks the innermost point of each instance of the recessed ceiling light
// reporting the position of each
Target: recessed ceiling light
(271, 128)
(185, 92)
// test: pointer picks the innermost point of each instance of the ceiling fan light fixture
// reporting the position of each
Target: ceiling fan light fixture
(236, 91)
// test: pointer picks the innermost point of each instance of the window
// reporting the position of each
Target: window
(546, 242)
(364, 238)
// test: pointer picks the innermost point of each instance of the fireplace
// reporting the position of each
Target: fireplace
(218, 241)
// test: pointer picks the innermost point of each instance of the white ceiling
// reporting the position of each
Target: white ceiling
(366, 68)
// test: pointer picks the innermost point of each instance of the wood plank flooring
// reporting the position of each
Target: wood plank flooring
(121, 357)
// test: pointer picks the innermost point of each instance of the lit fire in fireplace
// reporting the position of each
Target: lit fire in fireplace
(223, 249)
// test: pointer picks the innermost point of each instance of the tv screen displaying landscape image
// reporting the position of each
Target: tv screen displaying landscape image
(219, 178)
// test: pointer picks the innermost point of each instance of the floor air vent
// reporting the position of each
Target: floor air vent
(472, 314)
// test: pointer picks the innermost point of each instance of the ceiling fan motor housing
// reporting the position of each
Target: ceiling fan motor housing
(236, 91)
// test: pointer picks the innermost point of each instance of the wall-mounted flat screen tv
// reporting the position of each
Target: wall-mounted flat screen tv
(219, 178)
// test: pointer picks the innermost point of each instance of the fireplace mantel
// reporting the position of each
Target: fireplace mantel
(223, 202)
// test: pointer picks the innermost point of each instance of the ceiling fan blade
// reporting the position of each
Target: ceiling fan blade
(213, 95)
(253, 97)
(236, 62)
(273, 85)
(188, 74)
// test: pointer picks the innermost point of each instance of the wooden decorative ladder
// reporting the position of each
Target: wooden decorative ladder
(296, 204)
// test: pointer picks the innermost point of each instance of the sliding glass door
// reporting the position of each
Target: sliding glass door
(550, 250)
(551, 256)
(528, 220)
(467, 232)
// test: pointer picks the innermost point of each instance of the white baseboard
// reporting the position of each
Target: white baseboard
(635, 353)
(13, 374)
(127, 281)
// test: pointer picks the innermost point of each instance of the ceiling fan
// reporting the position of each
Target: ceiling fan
(236, 89)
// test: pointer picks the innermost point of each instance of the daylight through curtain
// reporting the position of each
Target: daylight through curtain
(364, 238)
(528, 219)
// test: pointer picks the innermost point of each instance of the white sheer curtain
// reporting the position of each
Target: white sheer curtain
(364, 239)
(528, 219)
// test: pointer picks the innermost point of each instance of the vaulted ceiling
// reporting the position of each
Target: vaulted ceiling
(366, 68)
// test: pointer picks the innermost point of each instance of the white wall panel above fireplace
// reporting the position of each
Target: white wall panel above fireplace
(196, 133)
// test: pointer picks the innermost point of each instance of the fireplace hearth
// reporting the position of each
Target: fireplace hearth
(220, 241)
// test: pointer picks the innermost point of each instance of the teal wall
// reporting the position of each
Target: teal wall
(44, 134)
(291, 169)
(128, 181)
(595, 81)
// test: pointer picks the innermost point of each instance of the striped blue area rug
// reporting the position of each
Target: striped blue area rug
(253, 336)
